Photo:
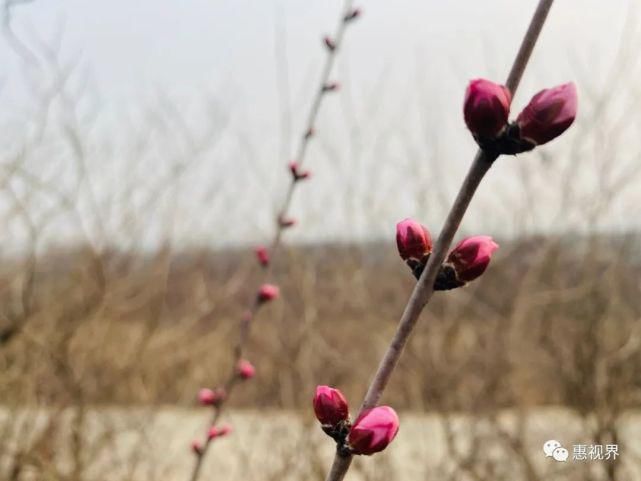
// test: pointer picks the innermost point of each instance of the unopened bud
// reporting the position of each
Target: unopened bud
(471, 257)
(549, 114)
(486, 108)
(330, 406)
(267, 292)
(373, 430)
(413, 240)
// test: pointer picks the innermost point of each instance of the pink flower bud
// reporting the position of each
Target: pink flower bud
(207, 397)
(330, 406)
(285, 222)
(331, 87)
(471, 257)
(245, 369)
(297, 174)
(213, 433)
(329, 43)
(355, 13)
(262, 254)
(486, 108)
(412, 239)
(549, 114)
(268, 292)
(224, 430)
(373, 430)
(197, 447)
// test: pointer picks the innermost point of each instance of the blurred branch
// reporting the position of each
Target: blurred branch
(332, 45)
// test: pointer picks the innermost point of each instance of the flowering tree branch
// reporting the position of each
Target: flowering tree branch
(242, 369)
(485, 108)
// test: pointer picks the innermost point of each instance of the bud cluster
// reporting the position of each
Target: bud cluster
(548, 114)
(243, 371)
(372, 431)
(467, 261)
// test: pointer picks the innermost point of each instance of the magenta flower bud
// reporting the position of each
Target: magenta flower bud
(197, 447)
(353, 14)
(330, 406)
(412, 239)
(549, 114)
(245, 369)
(285, 222)
(309, 133)
(471, 257)
(329, 43)
(207, 397)
(373, 430)
(213, 433)
(268, 292)
(224, 430)
(262, 254)
(486, 108)
(331, 87)
(297, 174)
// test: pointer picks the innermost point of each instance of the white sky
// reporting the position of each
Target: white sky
(246, 69)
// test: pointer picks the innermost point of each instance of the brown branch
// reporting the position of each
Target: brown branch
(425, 286)
(307, 135)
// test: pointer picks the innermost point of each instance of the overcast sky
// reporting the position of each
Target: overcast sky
(254, 64)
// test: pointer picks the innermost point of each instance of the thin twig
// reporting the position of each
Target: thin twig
(249, 317)
(425, 286)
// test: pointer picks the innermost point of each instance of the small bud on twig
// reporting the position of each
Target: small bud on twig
(354, 14)
(471, 257)
(267, 292)
(224, 430)
(413, 240)
(197, 447)
(245, 369)
(309, 133)
(330, 87)
(329, 43)
(330, 406)
(549, 114)
(262, 254)
(486, 108)
(207, 397)
(285, 222)
(373, 430)
(297, 174)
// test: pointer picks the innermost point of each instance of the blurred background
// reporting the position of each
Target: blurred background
(144, 150)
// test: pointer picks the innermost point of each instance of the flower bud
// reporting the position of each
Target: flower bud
(331, 87)
(197, 447)
(213, 433)
(262, 254)
(207, 397)
(267, 292)
(330, 406)
(329, 43)
(285, 222)
(224, 430)
(549, 114)
(486, 108)
(471, 257)
(412, 239)
(373, 430)
(309, 133)
(245, 369)
(352, 14)
(297, 174)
